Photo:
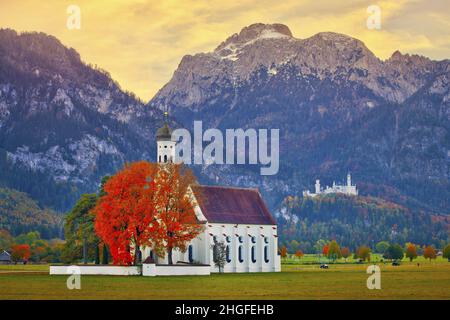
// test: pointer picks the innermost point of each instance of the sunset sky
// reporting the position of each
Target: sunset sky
(141, 42)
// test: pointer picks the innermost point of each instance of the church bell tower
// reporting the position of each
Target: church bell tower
(164, 143)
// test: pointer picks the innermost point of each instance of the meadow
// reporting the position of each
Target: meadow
(300, 280)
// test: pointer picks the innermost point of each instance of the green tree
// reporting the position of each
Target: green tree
(318, 246)
(6, 240)
(334, 251)
(446, 252)
(294, 246)
(394, 252)
(102, 192)
(382, 246)
(28, 238)
(81, 239)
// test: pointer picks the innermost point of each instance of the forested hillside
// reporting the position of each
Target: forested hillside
(354, 221)
(20, 214)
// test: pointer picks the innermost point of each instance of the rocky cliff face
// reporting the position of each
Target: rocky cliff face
(338, 107)
(64, 124)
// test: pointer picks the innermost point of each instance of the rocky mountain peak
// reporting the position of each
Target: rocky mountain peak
(397, 56)
(31, 51)
(336, 43)
(255, 32)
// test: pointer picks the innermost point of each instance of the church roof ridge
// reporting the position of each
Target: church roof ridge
(228, 187)
(222, 204)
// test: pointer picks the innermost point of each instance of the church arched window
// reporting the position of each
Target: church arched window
(215, 252)
(165, 158)
(191, 254)
(241, 257)
(253, 254)
(228, 254)
(266, 254)
(159, 158)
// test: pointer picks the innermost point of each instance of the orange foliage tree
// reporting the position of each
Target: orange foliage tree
(325, 250)
(146, 204)
(299, 254)
(345, 253)
(176, 204)
(411, 251)
(363, 253)
(125, 214)
(20, 252)
(429, 253)
(283, 252)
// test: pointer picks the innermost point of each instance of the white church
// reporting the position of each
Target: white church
(238, 217)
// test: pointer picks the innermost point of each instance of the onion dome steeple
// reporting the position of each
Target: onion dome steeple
(164, 133)
(165, 144)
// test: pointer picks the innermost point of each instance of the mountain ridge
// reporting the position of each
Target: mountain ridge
(67, 123)
(392, 117)
(64, 123)
(326, 53)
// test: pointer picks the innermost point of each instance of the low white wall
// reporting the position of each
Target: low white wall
(175, 270)
(277, 263)
(147, 270)
(96, 270)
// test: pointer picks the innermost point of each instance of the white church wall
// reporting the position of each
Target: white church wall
(246, 232)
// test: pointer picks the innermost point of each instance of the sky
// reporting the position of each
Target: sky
(141, 42)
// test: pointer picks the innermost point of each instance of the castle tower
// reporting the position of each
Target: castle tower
(349, 183)
(165, 145)
(317, 186)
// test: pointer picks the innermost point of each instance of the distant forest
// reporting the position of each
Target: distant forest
(354, 221)
(20, 214)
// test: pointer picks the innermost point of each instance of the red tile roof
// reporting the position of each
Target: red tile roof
(232, 205)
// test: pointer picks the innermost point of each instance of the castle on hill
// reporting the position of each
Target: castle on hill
(348, 189)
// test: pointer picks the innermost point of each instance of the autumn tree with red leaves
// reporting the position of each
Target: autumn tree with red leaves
(21, 252)
(325, 250)
(147, 205)
(345, 253)
(411, 251)
(283, 252)
(125, 215)
(176, 205)
(429, 253)
(298, 254)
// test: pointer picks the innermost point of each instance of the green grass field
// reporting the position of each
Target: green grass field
(296, 281)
